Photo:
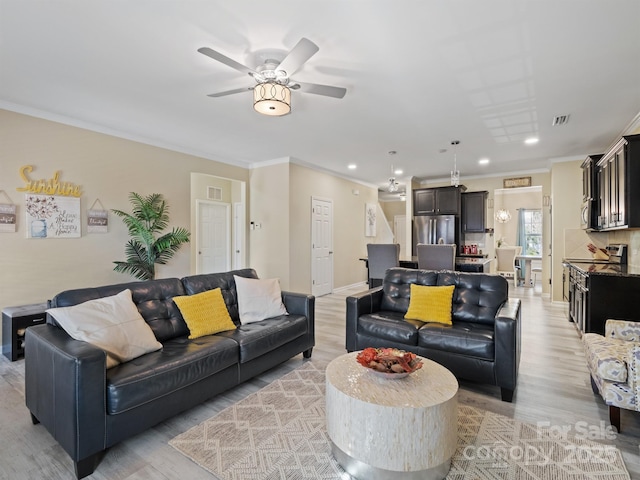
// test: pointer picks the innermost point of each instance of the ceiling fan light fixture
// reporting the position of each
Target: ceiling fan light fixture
(272, 99)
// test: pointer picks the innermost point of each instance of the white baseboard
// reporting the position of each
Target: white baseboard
(364, 286)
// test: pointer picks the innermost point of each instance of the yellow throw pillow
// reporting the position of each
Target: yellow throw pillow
(205, 313)
(430, 304)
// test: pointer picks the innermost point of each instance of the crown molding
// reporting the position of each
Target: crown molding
(93, 127)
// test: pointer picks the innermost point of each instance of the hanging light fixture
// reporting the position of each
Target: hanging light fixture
(393, 186)
(271, 98)
(455, 173)
(503, 215)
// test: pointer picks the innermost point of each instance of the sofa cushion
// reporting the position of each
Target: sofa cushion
(258, 338)
(181, 362)
(463, 338)
(153, 298)
(477, 297)
(111, 323)
(258, 299)
(205, 313)
(397, 287)
(430, 304)
(224, 281)
(389, 326)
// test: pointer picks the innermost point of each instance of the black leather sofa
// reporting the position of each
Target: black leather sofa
(482, 345)
(88, 408)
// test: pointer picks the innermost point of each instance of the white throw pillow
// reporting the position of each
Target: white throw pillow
(258, 299)
(110, 323)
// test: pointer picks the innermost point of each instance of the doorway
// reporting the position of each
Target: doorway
(222, 201)
(321, 246)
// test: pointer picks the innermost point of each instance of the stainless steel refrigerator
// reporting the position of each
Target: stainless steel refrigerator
(435, 229)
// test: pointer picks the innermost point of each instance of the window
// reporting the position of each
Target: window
(532, 232)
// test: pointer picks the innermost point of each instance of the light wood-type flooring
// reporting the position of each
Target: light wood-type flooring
(553, 387)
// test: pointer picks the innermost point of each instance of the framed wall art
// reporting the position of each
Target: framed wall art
(7, 215)
(52, 216)
(370, 220)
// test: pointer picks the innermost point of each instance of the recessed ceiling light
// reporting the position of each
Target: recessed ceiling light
(531, 141)
(352, 166)
(483, 161)
(398, 172)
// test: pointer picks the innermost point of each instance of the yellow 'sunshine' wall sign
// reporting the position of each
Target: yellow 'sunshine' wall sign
(53, 186)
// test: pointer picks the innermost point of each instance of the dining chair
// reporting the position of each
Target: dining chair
(441, 256)
(507, 265)
(380, 257)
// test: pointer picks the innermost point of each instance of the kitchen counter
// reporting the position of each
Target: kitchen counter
(603, 268)
(463, 264)
(473, 264)
(599, 291)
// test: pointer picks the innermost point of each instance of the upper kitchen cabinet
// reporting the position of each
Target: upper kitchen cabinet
(437, 201)
(618, 177)
(474, 212)
(590, 193)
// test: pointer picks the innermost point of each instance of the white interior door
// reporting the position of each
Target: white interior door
(213, 237)
(321, 246)
(400, 234)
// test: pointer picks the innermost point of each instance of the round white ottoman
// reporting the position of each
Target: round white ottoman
(381, 428)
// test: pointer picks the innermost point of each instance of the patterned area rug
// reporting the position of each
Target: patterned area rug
(279, 433)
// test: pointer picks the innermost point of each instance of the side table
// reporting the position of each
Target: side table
(383, 428)
(15, 320)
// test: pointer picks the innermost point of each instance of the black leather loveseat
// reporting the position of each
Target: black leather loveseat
(88, 408)
(482, 345)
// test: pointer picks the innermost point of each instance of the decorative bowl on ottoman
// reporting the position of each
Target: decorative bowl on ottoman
(389, 362)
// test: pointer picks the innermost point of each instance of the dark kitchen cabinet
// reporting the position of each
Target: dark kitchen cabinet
(595, 297)
(618, 174)
(474, 212)
(590, 193)
(424, 201)
(437, 201)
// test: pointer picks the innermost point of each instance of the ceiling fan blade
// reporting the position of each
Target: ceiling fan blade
(226, 60)
(230, 92)
(303, 51)
(326, 90)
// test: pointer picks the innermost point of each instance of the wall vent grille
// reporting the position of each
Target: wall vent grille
(214, 193)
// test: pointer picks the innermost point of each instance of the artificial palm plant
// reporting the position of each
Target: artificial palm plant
(149, 218)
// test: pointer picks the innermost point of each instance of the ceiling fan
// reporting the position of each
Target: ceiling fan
(272, 92)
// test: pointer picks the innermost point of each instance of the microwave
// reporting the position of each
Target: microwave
(588, 215)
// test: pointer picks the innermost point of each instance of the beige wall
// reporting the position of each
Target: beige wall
(107, 168)
(566, 188)
(349, 242)
(281, 202)
(270, 238)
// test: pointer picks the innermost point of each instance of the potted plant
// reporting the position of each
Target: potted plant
(150, 216)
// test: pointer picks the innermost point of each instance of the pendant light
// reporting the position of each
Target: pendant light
(455, 173)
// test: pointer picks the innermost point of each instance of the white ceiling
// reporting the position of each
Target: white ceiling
(418, 73)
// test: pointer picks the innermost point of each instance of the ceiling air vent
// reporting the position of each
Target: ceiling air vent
(560, 120)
